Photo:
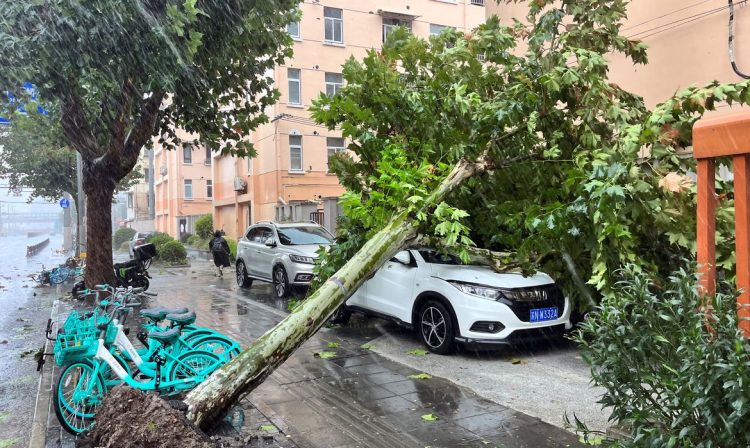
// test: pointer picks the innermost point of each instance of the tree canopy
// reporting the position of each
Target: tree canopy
(584, 187)
(117, 74)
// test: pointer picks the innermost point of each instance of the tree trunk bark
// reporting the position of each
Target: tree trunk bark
(211, 398)
(99, 188)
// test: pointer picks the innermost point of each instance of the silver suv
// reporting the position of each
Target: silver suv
(283, 254)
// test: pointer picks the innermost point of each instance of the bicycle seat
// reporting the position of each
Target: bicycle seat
(165, 337)
(158, 314)
(182, 318)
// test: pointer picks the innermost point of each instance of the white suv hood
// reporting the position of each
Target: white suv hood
(483, 275)
(308, 250)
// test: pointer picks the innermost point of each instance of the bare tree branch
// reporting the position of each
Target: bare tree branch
(140, 133)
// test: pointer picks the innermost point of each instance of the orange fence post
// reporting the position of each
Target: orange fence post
(707, 225)
(742, 238)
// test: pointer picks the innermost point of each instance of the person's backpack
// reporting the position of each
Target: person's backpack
(216, 246)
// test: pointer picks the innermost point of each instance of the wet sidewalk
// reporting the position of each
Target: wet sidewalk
(355, 398)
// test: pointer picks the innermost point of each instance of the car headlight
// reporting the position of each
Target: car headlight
(302, 259)
(484, 292)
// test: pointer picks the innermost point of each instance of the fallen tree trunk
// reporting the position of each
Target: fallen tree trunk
(211, 398)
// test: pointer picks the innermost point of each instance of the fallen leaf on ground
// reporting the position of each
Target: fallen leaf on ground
(365, 346)
(518, 361)
(267, 428)
(333, 345)
(325, 355)
(418, 352)
(421, 376)
(430, 417)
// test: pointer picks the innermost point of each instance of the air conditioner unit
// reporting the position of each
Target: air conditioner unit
(239, 184)
(163, 170)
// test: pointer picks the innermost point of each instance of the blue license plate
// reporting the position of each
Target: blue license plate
(542, 314)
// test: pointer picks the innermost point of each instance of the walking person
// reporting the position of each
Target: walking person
(220, 250)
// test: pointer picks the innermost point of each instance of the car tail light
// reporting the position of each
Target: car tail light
(138, 242)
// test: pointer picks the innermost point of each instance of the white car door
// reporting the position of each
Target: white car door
(390, 291)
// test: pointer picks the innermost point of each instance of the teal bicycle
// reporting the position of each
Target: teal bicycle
(87, 347)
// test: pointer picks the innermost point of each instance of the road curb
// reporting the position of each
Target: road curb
(38, 437)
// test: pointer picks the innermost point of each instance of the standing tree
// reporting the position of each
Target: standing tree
(565, 163)
(120, 73)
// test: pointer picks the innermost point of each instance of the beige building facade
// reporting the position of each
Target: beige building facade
(183, 187)
(687, 40)
(289, 178)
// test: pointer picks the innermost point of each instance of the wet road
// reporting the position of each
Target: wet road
(24, 313)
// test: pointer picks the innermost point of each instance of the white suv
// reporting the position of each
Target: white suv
(283, 254)
(448, 303)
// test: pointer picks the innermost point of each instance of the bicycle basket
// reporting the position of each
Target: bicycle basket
(78, 345)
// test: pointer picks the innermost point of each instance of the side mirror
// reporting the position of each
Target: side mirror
(270, 242)
(403, 257)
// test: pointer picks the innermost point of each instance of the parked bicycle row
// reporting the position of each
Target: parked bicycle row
(96, 354)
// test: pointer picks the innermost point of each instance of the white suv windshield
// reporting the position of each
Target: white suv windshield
(297, 236)
(434, 257)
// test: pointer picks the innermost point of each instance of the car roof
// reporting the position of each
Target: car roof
(284, 225)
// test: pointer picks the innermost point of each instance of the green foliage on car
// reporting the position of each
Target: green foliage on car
(122, 235)
(204, 226)
(673, 373)
(172, 252)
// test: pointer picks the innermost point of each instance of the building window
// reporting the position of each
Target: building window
(390, 24)
(146, 175)
(295, 153)
(334, 25)
(209, 189)
(293, 30)
(295, 86)
(334, 82)
(187, 154)
(477, 2)
(249, 165)
(436, 29)
(334, 145)
(208, 156)
(188, 189)
(130, 200)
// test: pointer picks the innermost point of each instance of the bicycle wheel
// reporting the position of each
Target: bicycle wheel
(224, 348)
(58, 275)
(77, 395)
(191, 335)
(193, 365)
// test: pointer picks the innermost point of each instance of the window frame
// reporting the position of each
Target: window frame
(209, 157)
(335, 86)
(291, 80)
(388, 27)
(187, 155)
(294, 146)
(185, 184)
(333, 21)
(334, 148)
(209, 189)
(297, 36)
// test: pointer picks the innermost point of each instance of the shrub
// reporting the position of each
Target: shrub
(232, 248)
(204, 226)
(122, 235)
(125, 246)
(158, 239)
(185, 237)
(173, 252)
(671, 374)
(197, 242)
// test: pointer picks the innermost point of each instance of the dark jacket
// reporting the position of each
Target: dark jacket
(221, 257)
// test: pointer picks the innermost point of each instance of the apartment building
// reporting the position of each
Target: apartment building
(687, 40)
(289, 178)
(183, 187)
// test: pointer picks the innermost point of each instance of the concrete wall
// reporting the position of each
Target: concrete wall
(687, 44)
(270, 179)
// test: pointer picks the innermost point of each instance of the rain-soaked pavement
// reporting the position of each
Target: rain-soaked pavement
(25, 310)
(357, 398)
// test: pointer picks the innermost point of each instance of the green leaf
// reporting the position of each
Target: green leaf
(333, 345)
(268, 428)
(366, 346)
(430, 417)
(418, 352)
(421, 376)
(325, 355)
